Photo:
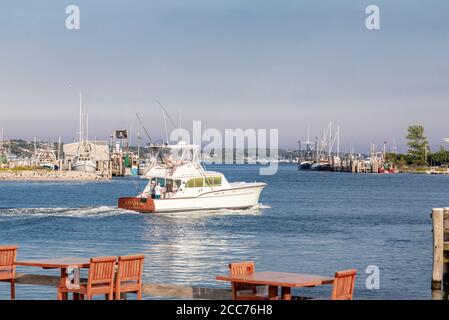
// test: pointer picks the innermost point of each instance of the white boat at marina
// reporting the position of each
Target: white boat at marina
(84, 160)
(178, 181)
(46, 157)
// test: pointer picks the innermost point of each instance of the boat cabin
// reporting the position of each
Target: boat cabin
(171, 187)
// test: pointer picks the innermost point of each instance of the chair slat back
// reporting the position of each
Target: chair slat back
(8, 258)
(343, 287)
(130, 268)
(102, 270)
(240, 269)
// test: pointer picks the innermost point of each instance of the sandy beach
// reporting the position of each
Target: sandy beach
(44, 175)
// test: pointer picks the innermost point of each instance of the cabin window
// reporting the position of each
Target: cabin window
(213, 181)
(161, 181)
(195, 183)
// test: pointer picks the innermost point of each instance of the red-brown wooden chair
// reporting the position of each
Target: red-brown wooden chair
(129, 276)
(7, 266)
(343, 286)
(244, 291)
(100, 280)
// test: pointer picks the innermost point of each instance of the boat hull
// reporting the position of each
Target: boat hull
(136, 204)
(321, 167)
(305, 165)
(84, 167)
(238, 197)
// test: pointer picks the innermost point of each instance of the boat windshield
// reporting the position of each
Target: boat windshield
(172, 155)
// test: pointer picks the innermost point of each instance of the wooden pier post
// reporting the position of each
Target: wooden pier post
(438, 246)
(445, 249)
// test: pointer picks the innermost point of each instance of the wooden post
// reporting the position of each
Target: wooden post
(437, 273)
(445, 252)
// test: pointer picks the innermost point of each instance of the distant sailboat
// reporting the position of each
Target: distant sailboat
(84, 161)
(306, 161)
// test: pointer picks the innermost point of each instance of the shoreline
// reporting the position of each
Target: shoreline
(49, 176)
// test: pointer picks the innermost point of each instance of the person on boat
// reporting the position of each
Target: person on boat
(144, 194)
(157, 191)
(168, 160)
(169, 189)
(152, 189)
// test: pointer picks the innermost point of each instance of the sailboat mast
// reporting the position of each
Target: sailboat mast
(130, 135)
(180, 124)
(81, 118)
(87, 127)
(59, 148)
(338, 141)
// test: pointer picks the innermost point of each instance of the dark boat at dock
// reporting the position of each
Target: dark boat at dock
(305, 165)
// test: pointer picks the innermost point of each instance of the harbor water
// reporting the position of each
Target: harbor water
(307, 222)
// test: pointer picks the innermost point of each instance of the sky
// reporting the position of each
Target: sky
(284, 64)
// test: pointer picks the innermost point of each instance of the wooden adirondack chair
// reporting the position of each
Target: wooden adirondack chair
(100, 280)
(343, 287)
(129, 276)
(7, 266)
(248, 291)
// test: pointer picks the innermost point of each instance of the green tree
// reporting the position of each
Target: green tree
(439, 158)
(418, 146)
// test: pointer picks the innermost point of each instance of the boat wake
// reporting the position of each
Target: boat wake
(254, 210)
(85, 212)
(105, 211)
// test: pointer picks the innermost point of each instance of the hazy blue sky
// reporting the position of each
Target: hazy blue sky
(250, 64)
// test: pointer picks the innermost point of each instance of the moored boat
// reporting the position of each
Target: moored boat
(321, 166)
(305, 165)
(84, 160)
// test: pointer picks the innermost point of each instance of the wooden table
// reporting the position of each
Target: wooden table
(279, 279)
(60, 263)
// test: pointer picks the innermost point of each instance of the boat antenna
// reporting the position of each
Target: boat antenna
(180, 124)
(130, 136)
(145, 129)
(165, 126)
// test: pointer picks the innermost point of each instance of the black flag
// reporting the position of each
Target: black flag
(121, 134)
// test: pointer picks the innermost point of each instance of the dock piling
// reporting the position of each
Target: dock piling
(446, 249)
(438, 247)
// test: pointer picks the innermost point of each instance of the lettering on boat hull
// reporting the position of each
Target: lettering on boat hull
(136, 204)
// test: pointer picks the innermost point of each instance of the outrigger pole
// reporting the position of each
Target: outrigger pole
(145, 129)
(168, 115)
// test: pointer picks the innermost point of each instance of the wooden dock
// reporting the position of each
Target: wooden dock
(440, 272)
(150, 290)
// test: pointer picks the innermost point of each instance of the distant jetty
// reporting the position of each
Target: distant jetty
(49, 175)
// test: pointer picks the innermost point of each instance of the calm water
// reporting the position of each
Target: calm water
(308, 222)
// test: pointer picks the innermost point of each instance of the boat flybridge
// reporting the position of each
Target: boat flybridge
(178, 181)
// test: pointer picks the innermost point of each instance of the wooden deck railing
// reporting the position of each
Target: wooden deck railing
(151, 290)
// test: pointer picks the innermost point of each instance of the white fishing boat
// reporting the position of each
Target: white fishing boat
(178, 181)
(46, 157)
(84, 160)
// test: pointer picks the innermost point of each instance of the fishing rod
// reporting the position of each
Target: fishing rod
(166, 113)
(145, 129)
